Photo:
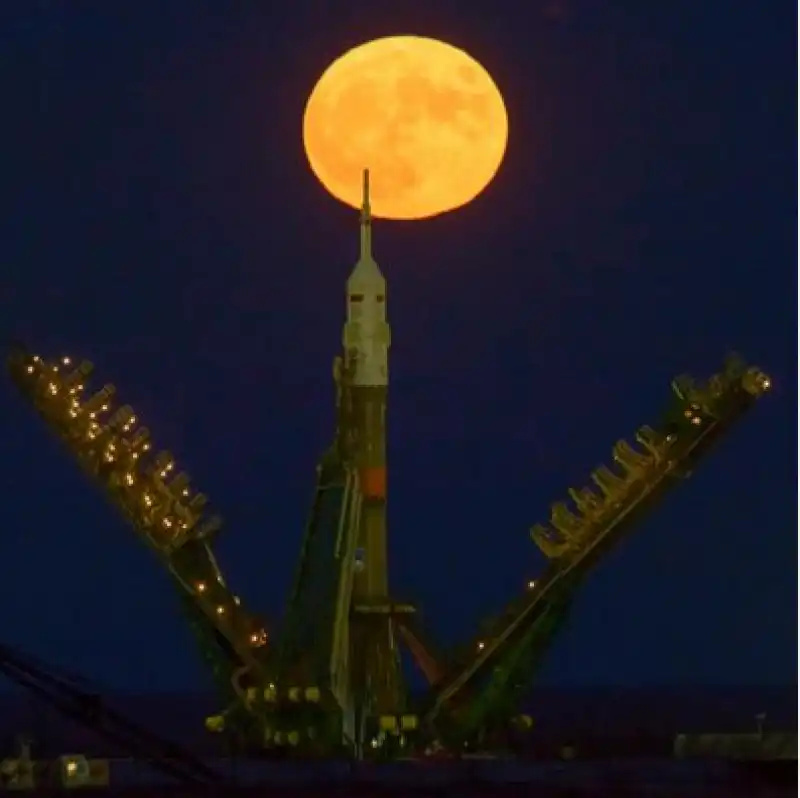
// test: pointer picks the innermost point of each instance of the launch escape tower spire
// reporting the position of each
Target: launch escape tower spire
(366, 220)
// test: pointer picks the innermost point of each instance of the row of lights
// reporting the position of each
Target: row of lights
(754, 381)
(111, 454)
(257, 638)
(587, 499)
(531, 585)
(614, 487)
(163, 465)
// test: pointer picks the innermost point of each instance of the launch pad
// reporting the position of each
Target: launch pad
(329, 682)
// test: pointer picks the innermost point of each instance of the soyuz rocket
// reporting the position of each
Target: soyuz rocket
(364, 383)
(362, 375)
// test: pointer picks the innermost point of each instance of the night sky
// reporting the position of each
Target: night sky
(160, 219)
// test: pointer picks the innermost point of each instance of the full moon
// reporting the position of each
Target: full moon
(424, 117)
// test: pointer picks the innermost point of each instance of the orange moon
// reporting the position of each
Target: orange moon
(424, 117)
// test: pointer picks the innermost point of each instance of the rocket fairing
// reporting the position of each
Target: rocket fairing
(366, 333)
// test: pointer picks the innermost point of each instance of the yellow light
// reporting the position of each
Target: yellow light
(185, 491)
(220, 610)
(129, 479)
(531, 584)
(481, 645)
(148, 501)
(766, 383)
(215, 723)
(697, 421)
(201, 587)
(146, 447)
(53, 388)
(30, 369)
(167, 522)
(66, 361)
(132, 420)
(259, 638)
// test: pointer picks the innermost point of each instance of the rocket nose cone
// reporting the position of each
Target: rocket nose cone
(366, 275)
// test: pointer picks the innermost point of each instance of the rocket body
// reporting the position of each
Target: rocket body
(366, 341)
(364, 381)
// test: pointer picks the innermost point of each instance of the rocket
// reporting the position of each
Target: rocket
(363, 378)
(366, 340)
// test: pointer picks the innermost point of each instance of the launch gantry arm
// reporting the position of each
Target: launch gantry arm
(169, 516)
(481, 686)
(312, 656)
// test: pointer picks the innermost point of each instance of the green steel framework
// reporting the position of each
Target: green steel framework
(296, 694)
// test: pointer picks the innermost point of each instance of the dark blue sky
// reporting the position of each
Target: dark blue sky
(159, 218)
